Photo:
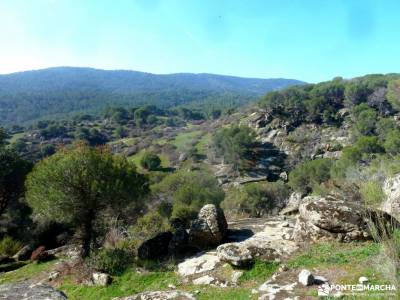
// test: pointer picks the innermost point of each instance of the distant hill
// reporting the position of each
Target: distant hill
(59, 92)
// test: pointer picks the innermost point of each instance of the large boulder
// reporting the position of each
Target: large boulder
(197, 265)
(293, 203)
(24, 253)
(155, 248)
(391, 188)
(160, 295)
(28, 291)
(209, 229)
(330, 218)
(236, 254)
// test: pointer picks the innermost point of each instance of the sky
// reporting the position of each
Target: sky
(310, 40)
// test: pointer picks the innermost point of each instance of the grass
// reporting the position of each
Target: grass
(127, 284)
(259, 272)
(201, 146)
(138, 156)
(16, 137)
(26, 272)
(183, 140)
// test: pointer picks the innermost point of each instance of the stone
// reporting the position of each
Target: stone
(236, 276)
(155, 248)
(363, 279)
(320, 280)
(293, 204)
(236, 254)
(29, 291)
(4, 259)
(328, 218)
(306, 278)
(40, 254)
(171, 286)
(178, 245)
(101, 279)
(67, 251)
(53, 275)
(160, 295)
(198, 264)
(209, 229)
(204, 280)
(24, 253)
(391, 204)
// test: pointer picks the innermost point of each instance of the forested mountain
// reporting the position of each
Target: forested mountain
(57, 92)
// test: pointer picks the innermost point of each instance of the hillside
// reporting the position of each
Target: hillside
(58, 92)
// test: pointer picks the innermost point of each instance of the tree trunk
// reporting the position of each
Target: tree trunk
(87, 234)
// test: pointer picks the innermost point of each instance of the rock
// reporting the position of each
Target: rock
(391, 188)
(272, 290)
(284, 176)
(293, 204)
(40, 254)
(236, 254)
(283, 268)
(323, 218)
(206, 279)
(320, 280)
(101, 279)
(53, 275)
(171, 286)
(178, 245)
(24, 253)
(6, 260)
(28, 291)
(363, 279)
(155, 248)
(209, 229)
(236, 276)
(68, 251)
(197, 265)
(306, 278)
(160, 295)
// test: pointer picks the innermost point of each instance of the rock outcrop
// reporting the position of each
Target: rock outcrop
(209, 229)
(330, 218)
(27, 291)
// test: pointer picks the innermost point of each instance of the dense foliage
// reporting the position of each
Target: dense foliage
(79, 185)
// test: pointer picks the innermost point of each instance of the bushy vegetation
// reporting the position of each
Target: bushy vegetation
(9, 246)
(150, 161)
(78, 185)
(112, 261)
(189, 191)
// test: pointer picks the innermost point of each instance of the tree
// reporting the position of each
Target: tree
(79, 185)
(393, 93)
(234, 144)
(364, 119)
(13, 171)
(3, 137)
(150, 161)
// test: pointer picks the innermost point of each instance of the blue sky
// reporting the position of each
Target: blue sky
(311, 40)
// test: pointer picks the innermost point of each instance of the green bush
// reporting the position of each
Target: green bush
(9, 246)
(310, 173)
(392, 142)
(255, 199)
(372, 193)
(150, 161)
(112, 261)
(369, 144)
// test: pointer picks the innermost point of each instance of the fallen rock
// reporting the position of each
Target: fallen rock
(101, 279)
(197, 265)
(24, 253)
(68, 251)
(306, 278)
(28, 291)
(4, 259)
(155, 248)
(209, 229)
(204, 280)
(236, 254)
(160, 295)
(363, 279)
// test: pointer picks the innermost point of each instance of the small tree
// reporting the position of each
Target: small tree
(150, 161)
(13, 171)
(79, 185)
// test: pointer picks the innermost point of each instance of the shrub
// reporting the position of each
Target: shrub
(310, 173)
(372, 193)
(256, 199)
(150, 161)
(9, 246)
(369, 144)
(392, 142)
(112, 261)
